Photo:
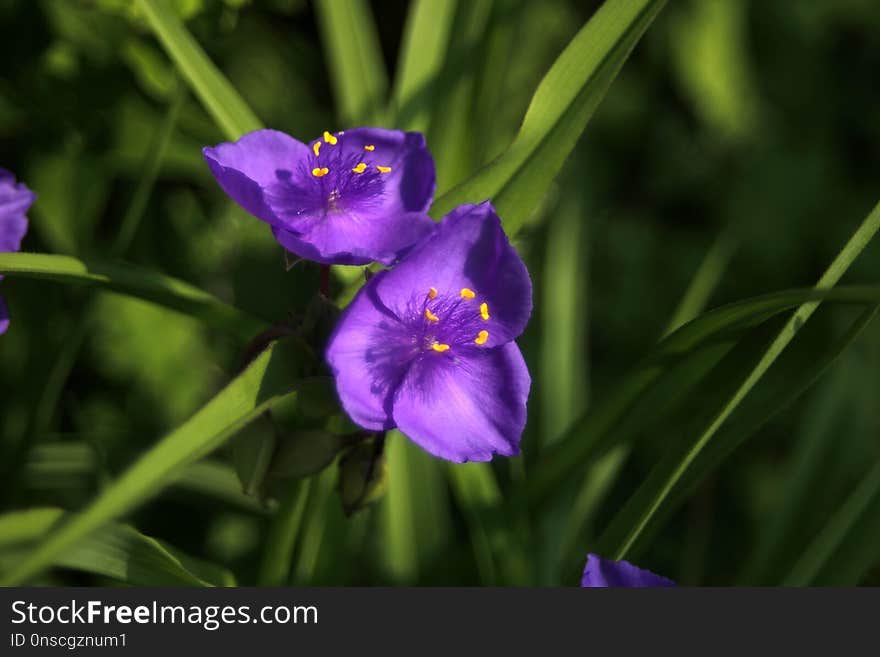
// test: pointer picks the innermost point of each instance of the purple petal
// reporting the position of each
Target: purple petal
(412, 180)
(465, 407)
(349, 198)
(369, 355)
(15, 200)
(468, 250)
(601, 572)
(352, 239)
(4, 317)
(255, 164)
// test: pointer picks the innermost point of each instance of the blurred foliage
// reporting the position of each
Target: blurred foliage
(751, 126)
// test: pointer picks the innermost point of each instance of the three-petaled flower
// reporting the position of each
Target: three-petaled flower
(600, 572)
(428, 347)
(349, 197)
(15, 200)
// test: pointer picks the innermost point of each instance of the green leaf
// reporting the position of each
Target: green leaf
(712, 331)
(219, 97)
(134, 281)
(560, 109)
(268, 379)
(117, 551)
(654, 492)
(351, 43)
(792, 374)
(422, 53)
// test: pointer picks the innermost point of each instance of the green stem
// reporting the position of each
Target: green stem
(278, 556)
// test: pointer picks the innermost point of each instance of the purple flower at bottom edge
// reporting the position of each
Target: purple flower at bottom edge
(15, 200)
(427, 347)
(349, 198)
(601, 572)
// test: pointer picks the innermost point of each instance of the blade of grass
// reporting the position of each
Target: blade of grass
(588, 436)
(44, 410)
(794, 373)
(278, 555)
(558, 113)
(270, 377)
(117, 551)
(704, 281)
(422, 53)
(836, 531)
(564, 369)
(221, 100)
(357, 72)
(451, 136)
(640, 515)
(134, 281)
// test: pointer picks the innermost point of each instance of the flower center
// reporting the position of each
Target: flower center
(452, 320)
(344, 177)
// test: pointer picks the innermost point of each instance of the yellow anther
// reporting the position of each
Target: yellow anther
(467, 293)
(369, 147)
(383, 169)
(484, 310)
(432, 293)
(320, 171)
(482, 336)
(360, 168)
(330, 139)
(317, 148)
(431, 317)
(439, 346)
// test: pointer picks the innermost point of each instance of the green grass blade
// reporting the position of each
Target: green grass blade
(117, 551)
(817, 554)
(638, 516)
(560, 109)
(794, 373)
(452, 136)
(712, 330)
(270, 377)
(704, 281)
(415, 509)
(564, 368)
(422, 53)
(357, 72)
(278, 556)
(224, 104)
(133, 281)
(149, 172)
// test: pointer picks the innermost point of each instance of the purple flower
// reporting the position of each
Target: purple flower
(427, 347)
(349, 198)
(15, 199)
(601, 572)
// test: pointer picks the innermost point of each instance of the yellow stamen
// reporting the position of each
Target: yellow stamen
(383, 169)
(330, 139)
(438, 346)
(432, 293)
(320, 171)
(317, 148)
(360, 168)
(484, 310)
(482, 336)
(431, 316)
(369, 147)
(467, 293)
